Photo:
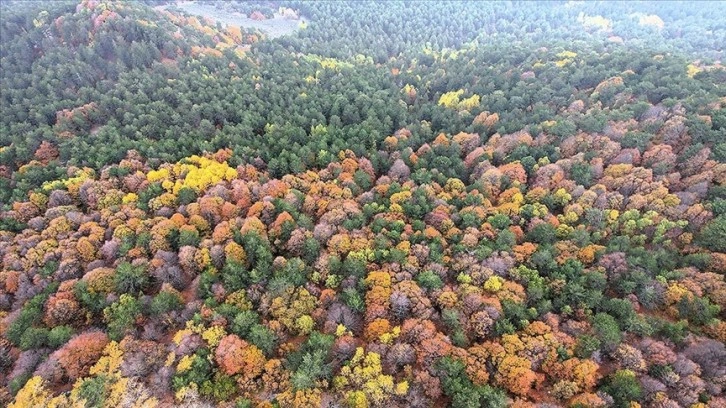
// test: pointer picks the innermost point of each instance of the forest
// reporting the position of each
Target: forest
(399, 204)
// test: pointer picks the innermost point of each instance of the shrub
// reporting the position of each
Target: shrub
(262, 337)
(165, 302)
(93, 391)
(121, 316)
(34, 337)
(463, 393)
(429, 280)
(607, 330)
(713, 235)
(130, 279)
(624, 387)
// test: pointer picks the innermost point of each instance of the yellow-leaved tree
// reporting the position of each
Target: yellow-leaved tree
(117, 389)
(364, 383)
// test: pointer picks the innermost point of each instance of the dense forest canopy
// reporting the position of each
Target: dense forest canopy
(466, 204)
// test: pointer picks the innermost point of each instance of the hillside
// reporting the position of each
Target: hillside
(466, 205)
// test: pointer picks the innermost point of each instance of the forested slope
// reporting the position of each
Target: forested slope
(485, 204)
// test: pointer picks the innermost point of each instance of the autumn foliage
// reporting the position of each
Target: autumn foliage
(470, 258)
